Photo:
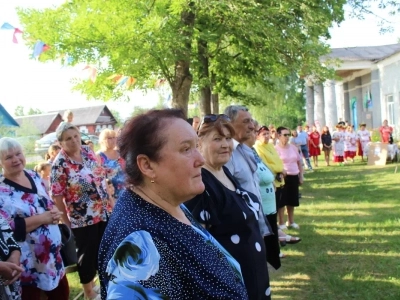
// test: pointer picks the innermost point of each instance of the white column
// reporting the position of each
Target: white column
(331, 116)
(309, 102)
(319, 106)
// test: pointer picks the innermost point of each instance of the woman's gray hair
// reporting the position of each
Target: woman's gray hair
(7, 144)
(232, 111)
(64, 127)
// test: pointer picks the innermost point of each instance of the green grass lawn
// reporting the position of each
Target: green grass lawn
(350, 229)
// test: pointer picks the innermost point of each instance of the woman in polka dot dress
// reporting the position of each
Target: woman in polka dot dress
(229, 212)
(153, 248)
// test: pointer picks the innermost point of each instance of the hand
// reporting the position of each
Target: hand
(10, 271)
(301, 179)
(56, 214)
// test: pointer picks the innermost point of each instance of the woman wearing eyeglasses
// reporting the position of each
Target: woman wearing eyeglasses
(227, 211)
(292, 165)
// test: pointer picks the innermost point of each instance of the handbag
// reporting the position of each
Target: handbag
(68, 247)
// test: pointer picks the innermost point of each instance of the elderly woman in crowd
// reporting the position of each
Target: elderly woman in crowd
(229, 212)
(153, 247)
(292, 165)
(33, 217)
(79, 189)
(111, 160)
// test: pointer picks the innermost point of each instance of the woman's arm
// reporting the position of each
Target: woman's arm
(59, 201)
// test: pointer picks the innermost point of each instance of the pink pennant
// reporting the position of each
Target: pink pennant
(16, 30)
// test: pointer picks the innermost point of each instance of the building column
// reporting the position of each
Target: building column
(346, 102)
(331, 116)
(360, 100)
(376, 100)
(319, 118)
(309, 103)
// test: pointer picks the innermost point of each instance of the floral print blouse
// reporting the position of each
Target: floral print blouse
(40, 248)
(83, 187)
(114, 172)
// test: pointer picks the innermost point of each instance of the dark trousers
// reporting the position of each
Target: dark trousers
(87, 241)
(61, 292)
(272, 243)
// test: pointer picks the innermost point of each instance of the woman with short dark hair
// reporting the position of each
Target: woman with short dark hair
(292, 163)
(153, 247)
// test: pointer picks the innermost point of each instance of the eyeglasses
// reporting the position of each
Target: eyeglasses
(212, 118)
(285, 134)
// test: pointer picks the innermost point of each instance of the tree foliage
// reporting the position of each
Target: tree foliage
(217, 45)
(20, 111)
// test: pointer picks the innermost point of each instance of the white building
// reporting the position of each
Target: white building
(367, 89)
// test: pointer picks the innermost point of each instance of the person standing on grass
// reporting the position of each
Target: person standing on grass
(364, 137)
(315, 139)
(293, 179)
(326, 140)
(350, 144)
(386, 132)
(242, 164)
(302, 140)
(338, 137)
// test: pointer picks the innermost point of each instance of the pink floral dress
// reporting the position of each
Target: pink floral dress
(83, 187)
(40, 248)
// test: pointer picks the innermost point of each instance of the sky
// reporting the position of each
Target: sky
(46, 86)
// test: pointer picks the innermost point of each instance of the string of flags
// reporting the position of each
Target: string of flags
(40, 47)
(8, 26)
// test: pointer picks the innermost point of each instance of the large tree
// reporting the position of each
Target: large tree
(213, 45)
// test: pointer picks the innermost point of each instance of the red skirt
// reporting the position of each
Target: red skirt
(360, 152)
(349, 154)
(314, 151)
(338, 159)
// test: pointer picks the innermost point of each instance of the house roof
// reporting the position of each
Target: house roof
(42, 122)
(370, 53)
(90, 115)
(7, 119)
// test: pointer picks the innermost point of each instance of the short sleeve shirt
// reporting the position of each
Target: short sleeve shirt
(83, 186)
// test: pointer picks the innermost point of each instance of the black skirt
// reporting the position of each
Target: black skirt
(290, 192)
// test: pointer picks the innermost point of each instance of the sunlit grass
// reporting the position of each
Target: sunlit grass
(350, 229)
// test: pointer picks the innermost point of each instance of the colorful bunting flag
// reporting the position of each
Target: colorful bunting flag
(8, 26)
(92, 72)
(39, 48)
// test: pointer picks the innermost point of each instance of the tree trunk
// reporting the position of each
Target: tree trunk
(214, 96)
(204, 76)
(181, 86)
(215, 103)
(182, 81)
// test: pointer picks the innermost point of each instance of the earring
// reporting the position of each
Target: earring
(152, 181)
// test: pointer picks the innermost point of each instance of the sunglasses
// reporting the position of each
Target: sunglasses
(285, 134)
(212, 118)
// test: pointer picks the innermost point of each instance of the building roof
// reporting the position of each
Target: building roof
(370, 53)
(90, 115)
(42, 122)
(7, 119)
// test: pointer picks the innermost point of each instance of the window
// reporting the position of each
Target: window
(390, 110)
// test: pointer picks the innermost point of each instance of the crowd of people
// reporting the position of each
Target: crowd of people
(176, 209)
